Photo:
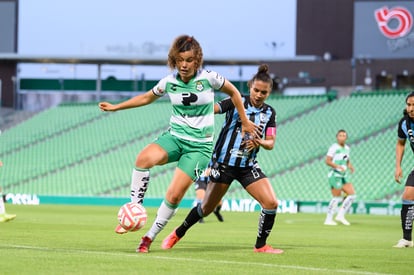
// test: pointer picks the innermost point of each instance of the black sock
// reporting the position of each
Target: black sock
(192, 218)
(266, 221)
(407, 216)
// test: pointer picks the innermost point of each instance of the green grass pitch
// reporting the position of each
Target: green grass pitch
(61, 239)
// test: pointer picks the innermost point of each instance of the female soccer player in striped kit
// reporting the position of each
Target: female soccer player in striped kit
(405, 131)
(234, 158)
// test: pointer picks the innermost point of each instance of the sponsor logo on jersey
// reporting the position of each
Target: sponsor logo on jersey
(199, 86)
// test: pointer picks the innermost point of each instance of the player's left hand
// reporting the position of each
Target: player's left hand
(252, 143)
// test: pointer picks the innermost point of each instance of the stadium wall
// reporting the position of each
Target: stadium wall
(237, 205)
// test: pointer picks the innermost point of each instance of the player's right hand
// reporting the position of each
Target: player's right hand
(398, 175)
(106, 106)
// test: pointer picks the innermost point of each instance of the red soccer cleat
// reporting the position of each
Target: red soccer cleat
(120, 230)
(144, 245)
(170, 241)
(268, 249)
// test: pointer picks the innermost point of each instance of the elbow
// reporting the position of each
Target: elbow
(268, 146)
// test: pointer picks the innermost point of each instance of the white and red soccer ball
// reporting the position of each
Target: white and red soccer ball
(132, 216)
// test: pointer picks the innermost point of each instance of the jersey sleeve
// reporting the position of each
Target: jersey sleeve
(331, 151)
(159, 88)
(272, 120)
(225, 105)
(401, 133)
(216, 80)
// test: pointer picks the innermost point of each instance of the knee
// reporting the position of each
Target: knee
(174, 197)
(207, 209)
(352, 196)
(408, 196)
(143, 161)
(273, 204)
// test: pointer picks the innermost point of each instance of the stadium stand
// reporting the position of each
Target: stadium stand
(78, 150)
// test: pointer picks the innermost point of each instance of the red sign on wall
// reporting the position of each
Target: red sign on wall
(383, 29)
(400, 15)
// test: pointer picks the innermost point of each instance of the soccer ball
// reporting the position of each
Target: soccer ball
(132, 216)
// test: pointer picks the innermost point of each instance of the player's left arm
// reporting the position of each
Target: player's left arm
(268, 142)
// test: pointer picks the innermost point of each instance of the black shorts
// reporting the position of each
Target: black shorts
(221, 173)
(410, 179)
(201, 183)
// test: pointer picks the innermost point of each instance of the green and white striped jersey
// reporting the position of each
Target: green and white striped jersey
(192, 115)
(340, 156)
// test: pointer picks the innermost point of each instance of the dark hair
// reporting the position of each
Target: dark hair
(411, 94)
(262, 75)
(340, 131)
(185, 43)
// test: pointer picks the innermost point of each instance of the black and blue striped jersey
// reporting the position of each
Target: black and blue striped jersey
(229, 149)
(405, 130)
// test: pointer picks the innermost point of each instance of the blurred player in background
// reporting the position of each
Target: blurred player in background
(189, 139)
(4, 217)
(405, 131)
(234, 158)
(338, 159)
(200, 188)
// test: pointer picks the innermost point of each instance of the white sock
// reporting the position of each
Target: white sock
(139, 184)
(333, 204)
(2, 207)
(346, 205)
(164, 214)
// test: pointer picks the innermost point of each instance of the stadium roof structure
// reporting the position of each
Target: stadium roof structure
(134, 60)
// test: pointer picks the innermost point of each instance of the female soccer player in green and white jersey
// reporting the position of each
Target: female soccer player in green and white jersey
(4, 217)
(338, 159)
(189, 139)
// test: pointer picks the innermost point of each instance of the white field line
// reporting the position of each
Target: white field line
(209, 261)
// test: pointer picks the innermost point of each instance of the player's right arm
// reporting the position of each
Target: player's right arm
(329, 159)
(136, 101)
(399, 154)
(330, 163)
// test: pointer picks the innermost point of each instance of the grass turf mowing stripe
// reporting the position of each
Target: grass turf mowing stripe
(203, 261)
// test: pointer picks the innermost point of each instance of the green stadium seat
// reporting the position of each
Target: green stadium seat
(78, 150)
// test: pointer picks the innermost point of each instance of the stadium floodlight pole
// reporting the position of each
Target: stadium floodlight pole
(98, 82)
(241, 86)
(353, 69)
(16, 93)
